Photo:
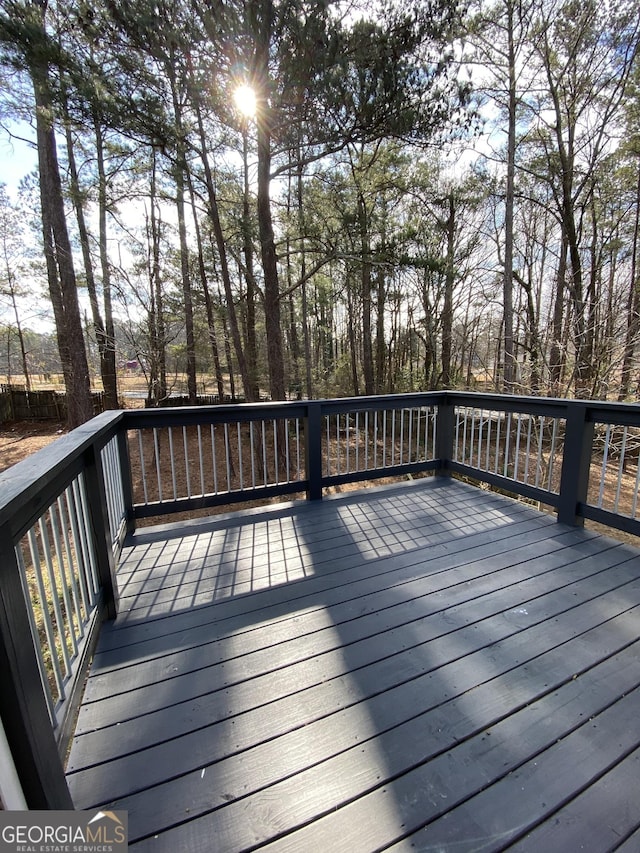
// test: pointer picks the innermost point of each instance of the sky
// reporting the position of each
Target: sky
(17, 158)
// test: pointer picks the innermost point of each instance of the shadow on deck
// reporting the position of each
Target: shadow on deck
(424, 667)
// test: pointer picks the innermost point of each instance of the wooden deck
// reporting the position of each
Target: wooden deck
(424, 667)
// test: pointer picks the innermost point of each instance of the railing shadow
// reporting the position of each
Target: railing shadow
(366, 652)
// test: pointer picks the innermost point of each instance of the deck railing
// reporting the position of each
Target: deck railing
(64, 512)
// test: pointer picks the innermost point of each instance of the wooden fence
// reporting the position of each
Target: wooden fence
(18, 404)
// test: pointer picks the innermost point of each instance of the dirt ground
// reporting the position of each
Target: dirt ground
(20, 439)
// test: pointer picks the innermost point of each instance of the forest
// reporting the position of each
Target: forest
(317, 198)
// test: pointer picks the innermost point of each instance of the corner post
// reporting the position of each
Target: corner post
(576, 462)
(23, 706)
(445, 429)
(313, 449)
(99, 518)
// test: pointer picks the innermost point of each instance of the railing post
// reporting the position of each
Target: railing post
(125, 477)
(105, 560)
(576, 463)
(445, 429)
(313, 449)
(23, 707)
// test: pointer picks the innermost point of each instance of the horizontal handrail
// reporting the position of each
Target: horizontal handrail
(65, 511)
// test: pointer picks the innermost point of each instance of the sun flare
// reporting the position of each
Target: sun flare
(245, 100)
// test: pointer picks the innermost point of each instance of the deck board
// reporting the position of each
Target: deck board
(399, 668)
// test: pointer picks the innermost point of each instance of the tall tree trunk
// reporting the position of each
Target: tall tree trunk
(213, 340)
(108, 355)
(633, 303)
(556, 357)
(57, 247)
(507, 289)
(273, 328)
(110, 392)
(158, 381)
(447, 309)
(231, 316)
(252, 289)
(353, 350)
(365, 295)
(179, 177)
(304, 295)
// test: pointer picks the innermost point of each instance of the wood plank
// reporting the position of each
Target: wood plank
(441, 645)
(215, 555)
(305, 663)
(493, 652)
(174, 721)
(505, 568)
(597, 819)
(480, 746)
(504, 810)
(632, 843)
(309, 566)
(332, 586)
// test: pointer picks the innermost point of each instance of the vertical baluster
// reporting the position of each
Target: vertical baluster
(552, 453)
(375, 439)
(108, 491)
(541, 425)
(87, 538)
(143, 467)
(37, 644)
(172, 461)
(86, 593)
(64, 581)
(328, 469)
(472, 436)
(298, 477)
(393, 436)
(507, 443)
(465, 418)
(517, 454)
(480, 428)
(187, 463)
(498, 430)
(240, 465)
(60, 634)
(605, 462)
(635, 490)
(276, 472)
(252, 450)
(384, 439)
(623, 450)
(201, 459)
(526, 464)
(488, 450)
(214, 459)
(46, 617)
(287, 470)
(410, 435)
(74, 573)
(227, 456)
(157, 462)
(264, 452)
(366, 440)
(357, 433)
(348, 463)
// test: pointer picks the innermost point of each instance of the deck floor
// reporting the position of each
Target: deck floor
(424, 667)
